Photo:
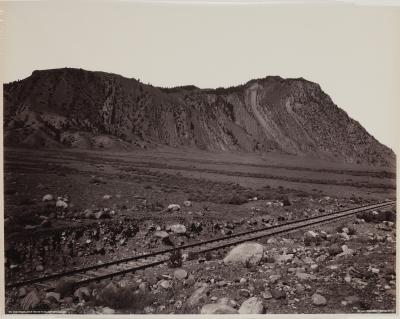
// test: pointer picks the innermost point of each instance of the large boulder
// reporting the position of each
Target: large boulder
(253, 305)
(246, 253)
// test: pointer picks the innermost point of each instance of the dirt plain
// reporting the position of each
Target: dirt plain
(114, 203)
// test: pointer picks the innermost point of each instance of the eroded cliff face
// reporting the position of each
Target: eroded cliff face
(78, 108)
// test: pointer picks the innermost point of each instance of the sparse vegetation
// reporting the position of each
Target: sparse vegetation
(175, 260)
(129, 297)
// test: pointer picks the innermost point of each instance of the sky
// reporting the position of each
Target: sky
(351, 51)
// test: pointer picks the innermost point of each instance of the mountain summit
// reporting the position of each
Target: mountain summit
(83, 109)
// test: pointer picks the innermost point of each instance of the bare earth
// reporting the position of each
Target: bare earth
(115, 202)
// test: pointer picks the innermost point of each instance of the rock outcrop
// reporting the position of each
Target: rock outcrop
(82, 109)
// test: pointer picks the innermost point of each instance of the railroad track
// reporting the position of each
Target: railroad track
(82, 276)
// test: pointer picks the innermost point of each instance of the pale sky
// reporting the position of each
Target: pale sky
(351, 51)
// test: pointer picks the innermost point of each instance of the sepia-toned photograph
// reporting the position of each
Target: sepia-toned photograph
(199, 158)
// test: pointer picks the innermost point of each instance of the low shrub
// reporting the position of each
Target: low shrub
(175, 260)
(128, 297)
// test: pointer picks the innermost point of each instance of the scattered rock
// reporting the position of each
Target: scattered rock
(53, 296)
(22, 292)
(178, 304)
(274, 278)
(304, 276)
(161, 234)
(173, 208)
(47, 198)
(346, 251)
(149, 309)
(39, 268)
(318, 300)
(246, 253)
(187, 203)
(253, 305)
(97, 180)
(198, 296)
(107, 197)
(62, 204)
(180, 274)
(107, 311)
(217, 308)
(308, 260)
(278, 294)
(82, 293)
(88, 214)
(65, 288)
(45, 223)
(227, 301)
(311, 237)
(143, 286)
(30, 301)
(267, 294)
(166, 284)
(351, 300)
(375, 270)
(283, 258)
(177, 229)
(101, 214)
(244, 293)
(334, 250)
(345, 236)
(222, 283)
(299, 288)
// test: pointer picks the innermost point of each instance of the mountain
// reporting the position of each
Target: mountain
(77, 108)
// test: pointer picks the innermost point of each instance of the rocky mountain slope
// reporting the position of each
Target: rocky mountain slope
(77, 108)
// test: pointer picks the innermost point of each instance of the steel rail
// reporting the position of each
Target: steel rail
(272, 230)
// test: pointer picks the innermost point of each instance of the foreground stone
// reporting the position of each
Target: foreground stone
(82, 293)
(173, 207)
(65, 287)
(30, 301)
(304, 276)
(318, 300)
(253, 305)
(247, 253)
(199, 295)
(180, 274)
(177, 229)
(217, 308)
(161, 234)
(47, 198)
(60, 203)
(187, 203)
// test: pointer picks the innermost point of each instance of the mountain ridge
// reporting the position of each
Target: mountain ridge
(71, 107)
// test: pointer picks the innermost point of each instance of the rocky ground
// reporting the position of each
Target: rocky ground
(58, 217)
